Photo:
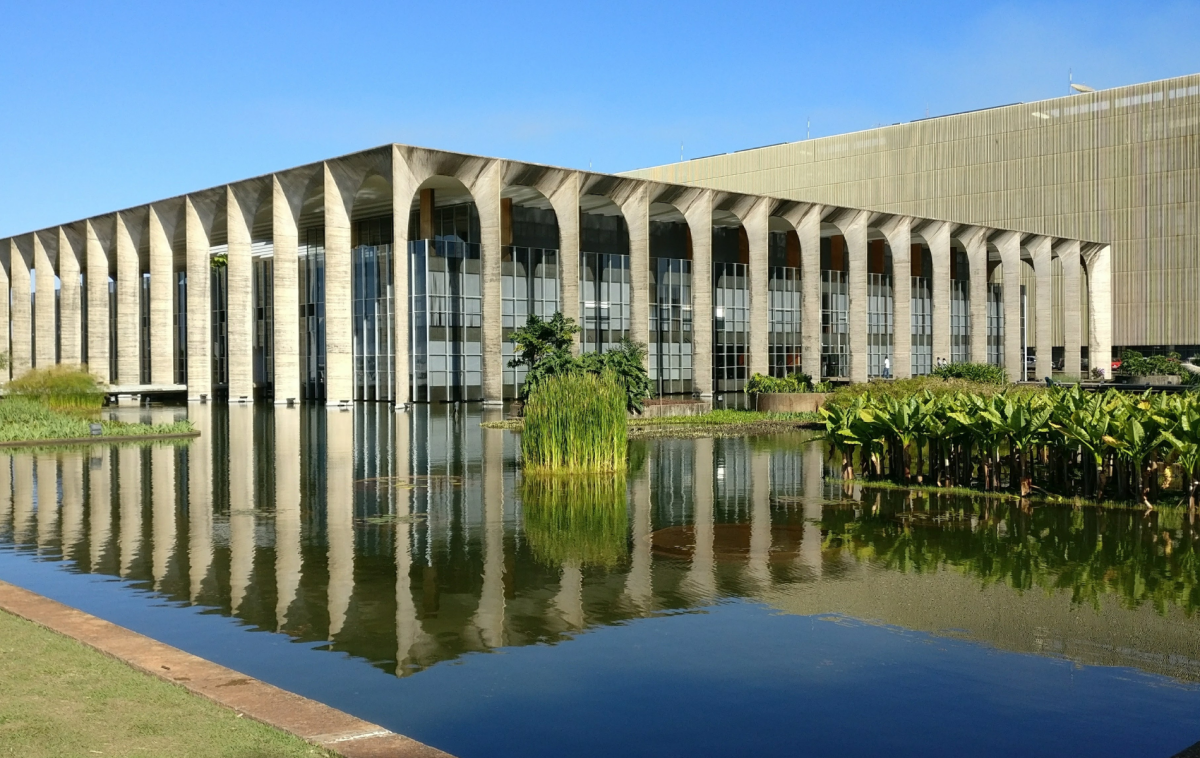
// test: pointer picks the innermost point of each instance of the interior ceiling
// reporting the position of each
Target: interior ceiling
(666, 213)
(599, 205)
(725, 218)
(527, 197)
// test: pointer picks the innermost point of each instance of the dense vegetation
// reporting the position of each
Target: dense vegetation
(1135, 364)
(575, 423)
(544, 347)
(1066, 441)
(983, 373)
(797, 381)
(61, 387)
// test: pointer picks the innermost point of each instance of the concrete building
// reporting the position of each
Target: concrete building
(1118, 165)
(289, 286)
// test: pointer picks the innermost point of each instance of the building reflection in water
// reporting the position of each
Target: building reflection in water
(399, 538)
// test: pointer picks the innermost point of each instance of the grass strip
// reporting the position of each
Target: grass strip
(26, 419)
(65, 700)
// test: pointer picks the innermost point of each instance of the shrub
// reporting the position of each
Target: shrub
(575, 422)
(983, 373)
(797, 381)
(63, 387)
(1134, 363)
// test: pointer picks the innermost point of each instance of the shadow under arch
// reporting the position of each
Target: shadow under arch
(995, 307)
(920, 287)
(605, 283)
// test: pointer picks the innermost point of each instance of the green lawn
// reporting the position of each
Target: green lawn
(60, 699)
(24, 418)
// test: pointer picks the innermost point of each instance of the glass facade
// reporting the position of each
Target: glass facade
(995, 324)
(922, 325)
(880, 326)
(731, 326)
(670, 346)
(220, 333)
(374, 323)
(784, 344)
(835, 325)
(263, 297)
(144, 329)
(179, 323)
(528, 287)
(960, 309)
(112, 329)
(604, 298)
(310, 270)
(447, 321)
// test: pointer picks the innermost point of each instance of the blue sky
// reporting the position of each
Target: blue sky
(109, 105)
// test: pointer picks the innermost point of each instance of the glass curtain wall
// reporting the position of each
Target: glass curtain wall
(112, 328)
(995, 319)
(219, 304)
(604, 299)
(783, 284)
(447, 314)
(179, 322)
(310, 282)
(835, 309)
(922, 311)
(960, 308)
(880, 313)
(263, 293)
(528, 286)
(671, 325)
(83, 323)
(144, 331)
(373, 286)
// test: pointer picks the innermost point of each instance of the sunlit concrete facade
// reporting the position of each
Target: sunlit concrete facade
(1118, 165)
(290, 286)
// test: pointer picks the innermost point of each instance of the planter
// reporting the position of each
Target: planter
(1153, 379)
(663, 410)
(790, 402)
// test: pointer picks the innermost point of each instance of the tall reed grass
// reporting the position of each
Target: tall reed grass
(61, 387)
(576, 423)
(578, 520)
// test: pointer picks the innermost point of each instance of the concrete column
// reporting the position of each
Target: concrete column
(938, 236)
(72, 502)
(408, 623)
(1072, 328)
(288, 562)
(22, 306)
(1009, 245)
(23, 513)
(339, 325)
(637, 216)
(1043, 338)
(286, 195)
(129, 287)
(977, 257)
(198, 215)
(44, 251)
(759, 566)
(814, 495)
(809, 231)
(47, 505)
(758, 233)
(339, 508)
(96, 250)
(856, 248)
(129, 529)
(486, 191)
(162, 299)
(699, 220)
(1100, 310)
(239, 213)
(70, 297)
(489, 615)
(404, 192)
(699, 213)
(99, 505)
(162, 494)
(200, 490)
(568, 601)
(565, 201)
(639, 582)
(701, 580)
(899, 238)
(241, 502)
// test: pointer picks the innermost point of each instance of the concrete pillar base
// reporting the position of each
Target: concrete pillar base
(199, 399)
(493, 403)
(287, 401)
(127, 401)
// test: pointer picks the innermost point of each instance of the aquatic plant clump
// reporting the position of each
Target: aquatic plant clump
(577, 521)
(29, 419)
(62, 387)
(575, 423)
(1066, 441)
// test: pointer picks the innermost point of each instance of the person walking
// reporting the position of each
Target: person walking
(887, 367)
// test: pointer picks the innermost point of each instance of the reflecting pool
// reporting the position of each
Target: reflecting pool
(722, 599)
